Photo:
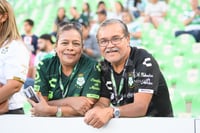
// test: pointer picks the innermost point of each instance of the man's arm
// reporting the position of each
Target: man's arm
(138, 108)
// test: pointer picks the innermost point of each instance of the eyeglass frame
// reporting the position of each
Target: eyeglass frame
(111, 40)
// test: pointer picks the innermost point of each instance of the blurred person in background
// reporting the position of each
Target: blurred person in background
(102, 16)
(28, 37)
(136, 7)
(191, 20)
(118, 10)
(69, 83)
(90, 46)
(155, 12)
(45, 47)
(14, 59)
(134, 28)
(31, 40)
(77, 17)
(87, 13)
(60, 18)
(102, 6)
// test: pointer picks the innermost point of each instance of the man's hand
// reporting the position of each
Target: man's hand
(97, 117)
(81, 104)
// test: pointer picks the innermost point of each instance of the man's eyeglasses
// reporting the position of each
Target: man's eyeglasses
(113, 40)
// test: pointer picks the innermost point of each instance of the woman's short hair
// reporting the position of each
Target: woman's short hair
(69, 26)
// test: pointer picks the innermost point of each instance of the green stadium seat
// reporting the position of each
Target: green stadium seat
(178, 104)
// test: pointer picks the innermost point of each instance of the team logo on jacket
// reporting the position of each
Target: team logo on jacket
(80, 80)
(130, 80)
(147, 62)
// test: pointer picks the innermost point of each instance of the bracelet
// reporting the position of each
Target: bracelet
(59, 112)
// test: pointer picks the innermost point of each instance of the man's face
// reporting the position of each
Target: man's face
(101, 17)
(116, 50)
(27, 27)
(42, 44)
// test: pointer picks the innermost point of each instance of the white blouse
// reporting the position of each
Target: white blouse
(14, 61)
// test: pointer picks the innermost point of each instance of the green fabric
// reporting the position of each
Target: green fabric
(85, 82)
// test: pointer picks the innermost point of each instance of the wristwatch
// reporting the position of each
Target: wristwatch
(116, 112)
(59, 112)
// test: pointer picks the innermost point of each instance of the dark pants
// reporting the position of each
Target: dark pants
(16, 111)
(194, 33)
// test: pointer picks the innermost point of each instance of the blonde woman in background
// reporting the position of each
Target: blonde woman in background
(14, 59)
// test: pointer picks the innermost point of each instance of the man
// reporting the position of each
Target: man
(131, 79)
(46, 50)
(29, 38)
(45, 45)
(90, 43)
(101, 16)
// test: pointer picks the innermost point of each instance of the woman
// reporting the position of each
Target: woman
(86, 13)
(61, 18)
(118, 9)
(14, 59)
(69, 82)
(155, 12)
(134, 28)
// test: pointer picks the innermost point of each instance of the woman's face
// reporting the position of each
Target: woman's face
(85, 7)
(118, 7)
(126, 17)
(69, 47)
(61, 12)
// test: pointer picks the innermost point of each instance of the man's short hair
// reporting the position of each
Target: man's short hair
(115, 21)
(30, 22)
(102, 12)
(47, 37)
(100, 3)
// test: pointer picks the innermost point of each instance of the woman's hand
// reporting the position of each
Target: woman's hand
(40, 109)
(4, 107)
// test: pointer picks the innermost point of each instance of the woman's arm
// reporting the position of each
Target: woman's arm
(79, 104)
(6, 91)
(44, 109)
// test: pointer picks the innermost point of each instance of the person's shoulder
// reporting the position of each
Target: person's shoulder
(88, 62)
(34, 36)
(139, 51)
(52, 61)
(18, 48)
(18, 44)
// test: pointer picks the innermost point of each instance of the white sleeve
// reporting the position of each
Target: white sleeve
(17, 62)
(164, 7)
